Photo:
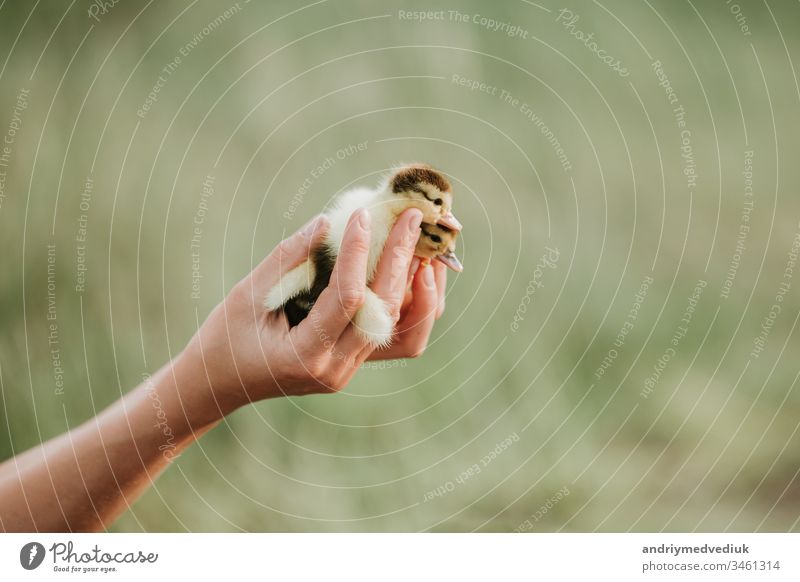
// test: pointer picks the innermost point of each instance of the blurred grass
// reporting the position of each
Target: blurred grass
(711, 448)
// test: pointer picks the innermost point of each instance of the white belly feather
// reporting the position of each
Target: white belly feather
(383, 212)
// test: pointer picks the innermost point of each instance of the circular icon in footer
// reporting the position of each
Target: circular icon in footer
(31, 555)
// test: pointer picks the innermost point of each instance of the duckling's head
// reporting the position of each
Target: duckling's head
(420, 186)
(439, 243)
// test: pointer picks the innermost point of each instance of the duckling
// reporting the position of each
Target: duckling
(438, 243)
(410, 186)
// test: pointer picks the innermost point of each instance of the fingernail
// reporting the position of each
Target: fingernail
(412, 269)
(427, 276)
(363, 218)
(415, 221)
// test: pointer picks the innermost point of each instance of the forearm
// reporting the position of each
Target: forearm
(84, 479)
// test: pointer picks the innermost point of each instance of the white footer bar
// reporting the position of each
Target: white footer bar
(355, 557)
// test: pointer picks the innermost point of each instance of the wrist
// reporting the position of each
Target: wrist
(182, 398)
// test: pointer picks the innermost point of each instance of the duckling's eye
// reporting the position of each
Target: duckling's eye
(436, 238)
(438, 202)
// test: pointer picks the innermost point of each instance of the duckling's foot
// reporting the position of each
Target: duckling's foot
(291, 285)
(374, 322)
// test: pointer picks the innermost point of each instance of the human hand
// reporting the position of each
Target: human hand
(243, 353)
(423, 304)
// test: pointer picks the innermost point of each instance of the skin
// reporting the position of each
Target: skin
(84, 479)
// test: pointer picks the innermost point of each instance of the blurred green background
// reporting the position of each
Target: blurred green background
(556, 150)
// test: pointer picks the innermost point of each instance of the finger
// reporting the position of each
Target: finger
(289, 253)
(412, 269)
(407, 299)
(343, 296)
(391, 275)
(414, 329)
(440, 276)
(407, 295)
(422, 310)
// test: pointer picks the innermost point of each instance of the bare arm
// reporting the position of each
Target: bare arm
(84, 479)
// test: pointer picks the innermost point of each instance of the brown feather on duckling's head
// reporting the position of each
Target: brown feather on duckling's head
(428, 190)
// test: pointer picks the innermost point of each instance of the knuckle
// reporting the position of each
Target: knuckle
(240, 293)
(357, 245)
(417, 352)
(331, 380)
(316, 369)
(284, 249)
(352, 298)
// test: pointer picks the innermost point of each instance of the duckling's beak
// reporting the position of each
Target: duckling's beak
(450, 259)
(450, 221)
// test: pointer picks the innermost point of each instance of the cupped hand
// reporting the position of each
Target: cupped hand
(243, 353)
(422, 305)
